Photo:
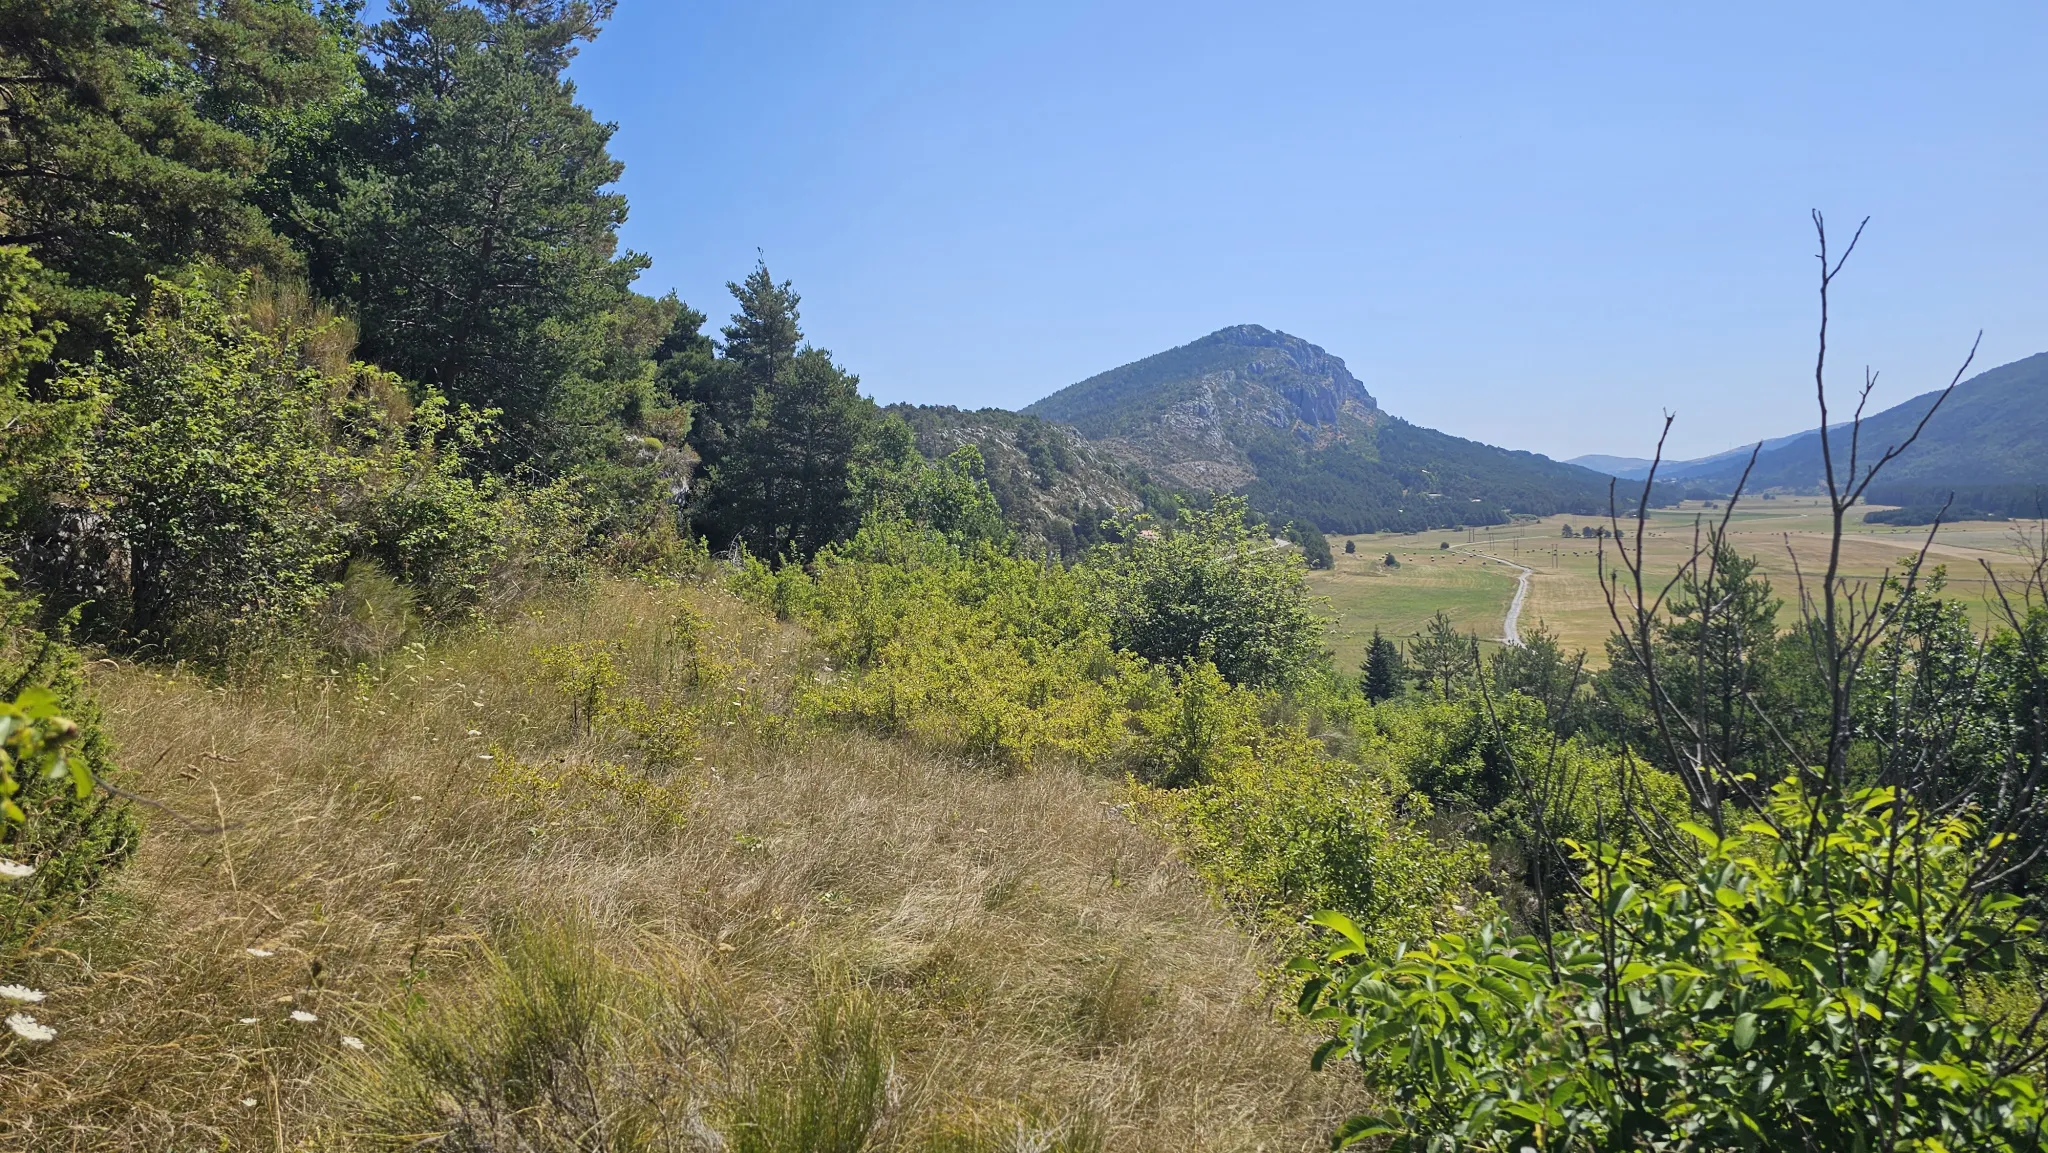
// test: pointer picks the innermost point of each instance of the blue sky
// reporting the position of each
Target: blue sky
(1534, 225)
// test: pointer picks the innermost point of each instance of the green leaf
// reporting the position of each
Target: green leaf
(1331, 919)
(1701, 833)
(1311, 992)
(1745, 1031)
(81, 775)
(1359, 1128)
(1323, 1053)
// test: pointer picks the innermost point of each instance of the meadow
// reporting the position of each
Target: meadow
(591, 841)
(1787, 535)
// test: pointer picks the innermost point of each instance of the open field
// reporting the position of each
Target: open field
(1365, 593)
(1565, 595)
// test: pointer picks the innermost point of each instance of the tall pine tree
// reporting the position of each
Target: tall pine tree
(1382, 669)
(470, 226)
(780, 428)
(134, 135)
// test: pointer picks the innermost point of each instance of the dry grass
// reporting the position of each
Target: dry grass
(709, 887)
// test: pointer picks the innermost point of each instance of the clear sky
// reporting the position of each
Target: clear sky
(1534, 225)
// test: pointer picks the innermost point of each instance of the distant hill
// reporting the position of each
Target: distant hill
(1636, 467)
(1251, 410)
(1988, 444)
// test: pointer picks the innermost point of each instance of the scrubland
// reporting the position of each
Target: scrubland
(582, 880)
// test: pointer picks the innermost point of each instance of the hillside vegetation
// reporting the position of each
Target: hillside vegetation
(450, 701)
(595, 845)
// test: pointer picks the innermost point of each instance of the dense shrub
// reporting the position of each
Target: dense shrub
(51, 744)
(213, 470)
(1211, 589)
(53, 818)
(984, 653)
(1283, 830)
(1802, 987)
(239, 463)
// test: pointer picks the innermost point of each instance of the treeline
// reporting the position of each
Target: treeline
(315, 334)
(1922, 503)
(349, 298)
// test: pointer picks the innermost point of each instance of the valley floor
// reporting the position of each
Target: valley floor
(589, 856)
(1787, 536)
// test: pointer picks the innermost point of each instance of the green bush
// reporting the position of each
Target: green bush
(1209, 590)
(240, 465)
(1282, 830)
(51, 745)
(52, 750)
(1804, 986)
(212, 468)
(979, 652)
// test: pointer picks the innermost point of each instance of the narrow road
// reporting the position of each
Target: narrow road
(1510, 634)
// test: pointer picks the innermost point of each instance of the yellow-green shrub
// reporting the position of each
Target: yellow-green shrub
(986, 654)
(1284, 830)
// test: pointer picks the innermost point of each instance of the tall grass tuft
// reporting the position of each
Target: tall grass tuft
(834, 1095)
(547, 1050)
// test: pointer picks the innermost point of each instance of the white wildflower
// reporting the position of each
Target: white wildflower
(417, 797)
(255, 952)
(485, 757)
(19, 993)
(15, 870)
(353, 1042)
(28, 1029)
(248, 1020)
(476, 732)
(303, 1017)
(248, 1102)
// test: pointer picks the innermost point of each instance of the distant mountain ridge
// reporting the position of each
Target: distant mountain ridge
(1636, 467)
(1988, 443)
(1249, 409)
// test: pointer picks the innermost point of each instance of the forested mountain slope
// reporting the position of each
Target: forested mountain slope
(1987, 445)
(1251, 410)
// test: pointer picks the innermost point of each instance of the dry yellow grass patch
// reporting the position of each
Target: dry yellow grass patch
(632, 856)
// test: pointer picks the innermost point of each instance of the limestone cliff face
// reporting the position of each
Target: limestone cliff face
(1194, 412)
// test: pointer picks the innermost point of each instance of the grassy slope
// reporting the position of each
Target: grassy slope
(1035, 959)
(1565, 594)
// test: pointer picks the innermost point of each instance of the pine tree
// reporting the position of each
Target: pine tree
(685, 356)
(469, 224)
(1382, 669)
(133, 136)
(786, 488)
(779, 426)
(764, 334)
(1440, 656)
